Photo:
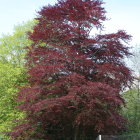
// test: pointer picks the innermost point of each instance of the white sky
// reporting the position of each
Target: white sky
(123, 14)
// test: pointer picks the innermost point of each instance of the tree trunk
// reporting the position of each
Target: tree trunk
(76, 133)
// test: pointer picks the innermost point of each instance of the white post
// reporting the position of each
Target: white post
(100, 137)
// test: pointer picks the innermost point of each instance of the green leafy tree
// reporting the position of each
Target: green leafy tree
(132, 96)
(10, 78)
(12, 73)
(132, 110)
(12, 47)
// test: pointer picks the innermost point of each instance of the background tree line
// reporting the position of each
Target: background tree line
(12, 73)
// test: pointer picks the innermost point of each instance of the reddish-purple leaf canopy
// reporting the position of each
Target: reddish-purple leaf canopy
(75, 79)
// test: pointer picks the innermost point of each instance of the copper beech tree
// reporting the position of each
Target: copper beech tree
(75, 78)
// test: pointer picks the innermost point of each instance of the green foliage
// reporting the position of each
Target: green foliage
(12, 46)
(12, 73)
(132, 110)
(10, 78)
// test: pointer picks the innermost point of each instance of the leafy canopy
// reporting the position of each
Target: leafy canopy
(12, 74)
(75, 78)
(12, 47)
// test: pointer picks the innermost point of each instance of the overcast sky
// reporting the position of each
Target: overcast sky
(123, 14)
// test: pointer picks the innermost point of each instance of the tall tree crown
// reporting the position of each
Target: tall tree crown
(75, 78)
(68, 19)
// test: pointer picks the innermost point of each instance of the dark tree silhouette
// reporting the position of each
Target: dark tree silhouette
(74, 78)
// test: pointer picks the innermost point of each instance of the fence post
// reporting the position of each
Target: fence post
(100, 137)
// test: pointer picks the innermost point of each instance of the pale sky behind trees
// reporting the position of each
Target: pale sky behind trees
(123, 14)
